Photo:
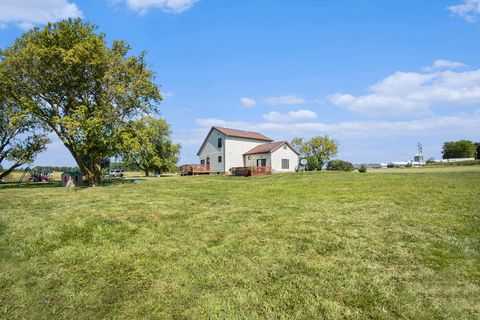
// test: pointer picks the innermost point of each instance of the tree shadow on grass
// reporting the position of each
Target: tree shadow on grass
(32, 185)
(113, 182)
(58, 184)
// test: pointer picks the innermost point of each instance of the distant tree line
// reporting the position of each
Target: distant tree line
(54, 168)
(461, 149)
(98, 99)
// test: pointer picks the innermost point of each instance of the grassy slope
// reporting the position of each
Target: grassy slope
(334, 245)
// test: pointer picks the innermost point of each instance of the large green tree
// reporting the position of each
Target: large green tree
(317, 150)
(146, 144)
(459, 149)
(82, 89)
(21, 138)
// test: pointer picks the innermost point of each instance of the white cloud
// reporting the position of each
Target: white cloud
(248, 102)
(211, 122)
(284, 100)
(290, 116)
(167, 94)
(410, 93)
(444, 64)
(465, 124)
(356, 137)
(468, 10)
(25, 25)
(171, 6)
(27, 13)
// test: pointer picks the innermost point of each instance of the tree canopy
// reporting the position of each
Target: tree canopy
(80, 88)
(21, 138)
(317, 150)
(459, 149)
(147, 145)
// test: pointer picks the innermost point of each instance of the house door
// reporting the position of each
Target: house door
(261, 162)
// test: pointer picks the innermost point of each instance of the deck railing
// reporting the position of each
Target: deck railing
(188, 169)
(252, 171)
(261, 170)
(200, 168)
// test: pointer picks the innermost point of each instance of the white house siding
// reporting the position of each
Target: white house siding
(252, 162)
(235, 148)
(280, 154)
(210, 149)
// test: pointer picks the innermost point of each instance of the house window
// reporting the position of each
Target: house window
(202, 161)
(285, 163)
(261, 162)
(208, 160)
(219, 142)
(219, 159)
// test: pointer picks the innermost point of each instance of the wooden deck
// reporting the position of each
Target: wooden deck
(191, 169)
(252, 171)
(258, 171)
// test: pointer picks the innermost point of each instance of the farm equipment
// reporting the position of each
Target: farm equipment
(33, 175)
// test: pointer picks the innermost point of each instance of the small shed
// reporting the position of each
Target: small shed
(72, 179)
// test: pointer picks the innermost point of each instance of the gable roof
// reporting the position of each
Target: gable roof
(72, 173)
(269, 147)
(236, 133)
(243, 134)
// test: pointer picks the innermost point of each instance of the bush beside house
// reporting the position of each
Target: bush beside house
(340, 165)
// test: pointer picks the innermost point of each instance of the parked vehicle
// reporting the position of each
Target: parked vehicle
(116, 173)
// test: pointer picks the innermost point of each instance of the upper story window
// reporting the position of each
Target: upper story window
(219, 142)
(285, 163)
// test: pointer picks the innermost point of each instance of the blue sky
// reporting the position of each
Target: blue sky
(378, 76)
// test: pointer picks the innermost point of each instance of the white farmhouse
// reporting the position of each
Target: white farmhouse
(225, 148)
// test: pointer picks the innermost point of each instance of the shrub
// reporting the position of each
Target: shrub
(362, 169)
(313, 164)
(340, 165)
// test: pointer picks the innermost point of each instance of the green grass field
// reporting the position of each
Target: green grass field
(383, 245)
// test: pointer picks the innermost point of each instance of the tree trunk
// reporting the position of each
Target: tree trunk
(147, 173)
(8, 171)
(94, 174)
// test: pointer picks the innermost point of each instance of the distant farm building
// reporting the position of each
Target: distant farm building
(370, 165)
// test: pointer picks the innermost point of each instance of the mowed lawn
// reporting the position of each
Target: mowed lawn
(394, 244)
